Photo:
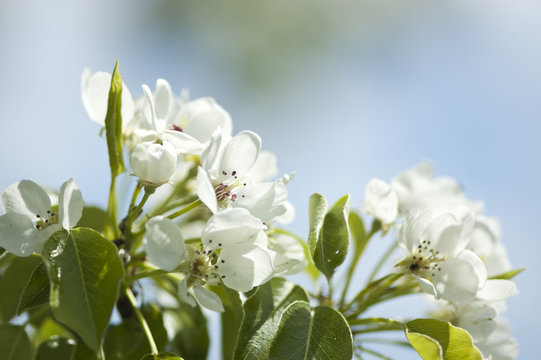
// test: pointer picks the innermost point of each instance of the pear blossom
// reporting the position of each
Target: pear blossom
(381, 201)
(153, 163)
(437, 257)
(227, 179)
(29, 219)
(500, 345)
(288, 255)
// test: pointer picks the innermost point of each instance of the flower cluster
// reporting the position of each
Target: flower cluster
(452, 249)
(167, 135)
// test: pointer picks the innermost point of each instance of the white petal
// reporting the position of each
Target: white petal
(154, 163)
(70, 204)
(230, 227)
(25, 197)
(245, 266)
(288, 216)
(208, 299)
(445, 234)
(427, 286)
(183, 143)
(164, 243)
(205, 190)
(458, 280)
(18, 234)
(498, 290)
(156, 125)
(183, 293)
(211, 154)
(265, 201)
(412, 229)
(288, 257)
(381, 201)
(477, 318)
(163, 98)
(203, 116)
(241, 153)
(264, 168)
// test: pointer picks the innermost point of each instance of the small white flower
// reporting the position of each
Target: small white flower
(437, 257)
(29, 220)
(154, 163)
(228, 178)
(288, 255)
(164, 243)
(381, 201)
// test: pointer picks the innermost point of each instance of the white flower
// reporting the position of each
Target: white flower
(381, 201)
(288, 255)
(485, 242)
(153, 163)
(29, 220)
(437, 257)
(499, 345)
(95, 94)
(164, 243)
(227, 178)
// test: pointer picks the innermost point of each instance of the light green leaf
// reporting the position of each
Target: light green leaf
(317, 209)
(84, 272)
(231, 319)
(162, 356)
(262, 312)
(113, 124)
(13, 282)
(56, 348)
(312, 333)
(508, 275)
(93, 217)
(439, 340)
(14, 343)
(358, 232)
(36, 291)
(332, 244)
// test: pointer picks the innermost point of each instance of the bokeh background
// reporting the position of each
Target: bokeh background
(341, 91)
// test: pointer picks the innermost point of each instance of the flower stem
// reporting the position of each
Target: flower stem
(111, 229)
(144, 325)
(136, 193)
(185, 209)
(382, 261)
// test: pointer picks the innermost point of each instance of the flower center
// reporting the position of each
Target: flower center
(423, 261)
(45, 220)
(204, 266)
(229, 188)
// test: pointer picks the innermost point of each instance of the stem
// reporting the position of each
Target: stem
(185, 209)
(111, 229)
(144, 325)
(382, 261)
(377, 320)
(374, 284)
(136, 193)
(372, 352)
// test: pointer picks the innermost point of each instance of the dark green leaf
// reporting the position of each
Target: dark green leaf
(84, 271)
(113, 124)
(317, 209)
(439, 340)
(306, 333)
(231, 319)
(332, 244)
(162, 356)
(191, 339)
(127, 340)
(93, 217)
(262, 312)
(56, 348)
(14, 343)
(508, 275)
(13, 282)
(36, 291)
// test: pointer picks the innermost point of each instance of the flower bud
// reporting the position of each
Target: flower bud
(154, 163)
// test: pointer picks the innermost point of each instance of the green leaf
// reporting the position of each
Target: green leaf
(36, 291)
(231, 319)
(84, 272)
(358, 232)
(317, 209)
(332, 244)
(312, 333)
(162, 356)
(262, 312)
(191, 339)
(93, 217)
(56, 348)
(508, 275)
(127, 341)
(113, 124)
(439, 340)
(13, 282)
(14, 343)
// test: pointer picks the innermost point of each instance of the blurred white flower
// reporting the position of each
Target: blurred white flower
(29, 220)
(381, 201)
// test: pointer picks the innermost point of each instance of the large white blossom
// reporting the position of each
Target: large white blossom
(227, 178)
(29, 219)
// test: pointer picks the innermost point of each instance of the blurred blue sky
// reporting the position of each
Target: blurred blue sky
(341, 92)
